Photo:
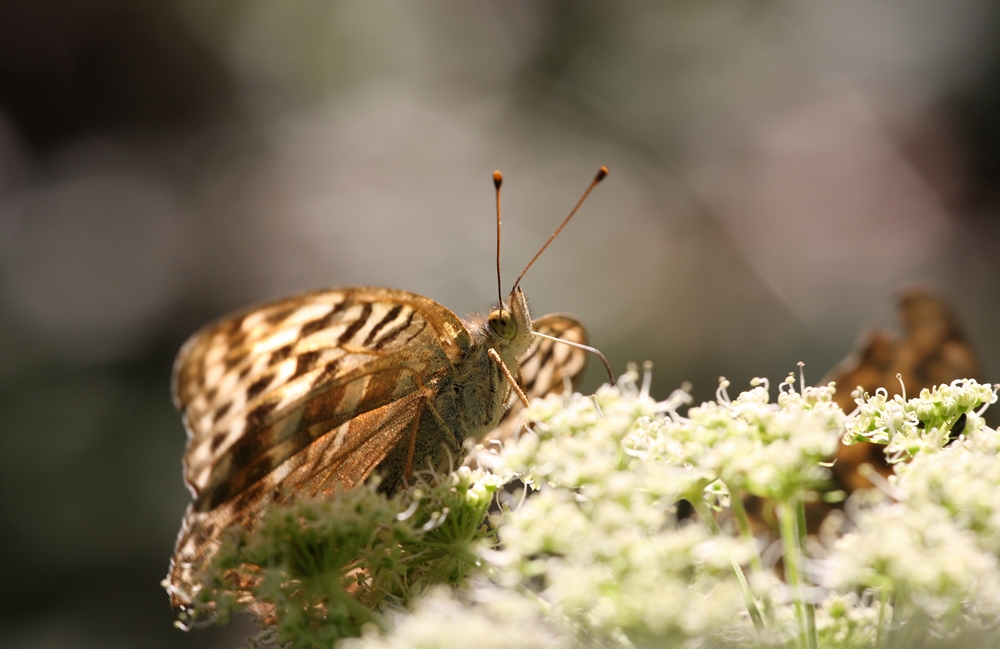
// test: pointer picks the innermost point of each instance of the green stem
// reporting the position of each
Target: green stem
(787, 522)
(705, 513)
(743, 523)
(881, 634)
(800, 512)
(896, 634)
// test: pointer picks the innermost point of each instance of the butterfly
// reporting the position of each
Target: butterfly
(930, 350)
(319, 392)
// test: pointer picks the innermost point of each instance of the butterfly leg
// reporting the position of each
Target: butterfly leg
(510, 378)
(408, 468)
(428, 396)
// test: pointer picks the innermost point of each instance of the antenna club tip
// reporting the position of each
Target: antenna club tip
(497, 179)
(601, 174)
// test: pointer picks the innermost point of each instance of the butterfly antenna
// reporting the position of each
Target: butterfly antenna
(497, 181)
(601, 174)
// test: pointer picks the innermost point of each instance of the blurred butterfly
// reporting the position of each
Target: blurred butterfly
(931, 350)
(319, 392)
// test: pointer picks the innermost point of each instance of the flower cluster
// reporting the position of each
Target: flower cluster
(598, 554)
(926, 423)
(932, 542)
(601, 542)
(485, 618)
(848, 622)
(771, 450)
(319, 570)
(927, 563)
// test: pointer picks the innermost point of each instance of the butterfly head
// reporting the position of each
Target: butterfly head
(511, 323)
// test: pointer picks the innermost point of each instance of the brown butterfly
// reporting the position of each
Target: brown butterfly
(316, 393)
(930, 350)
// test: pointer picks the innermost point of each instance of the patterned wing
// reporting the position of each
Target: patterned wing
(303, 396)
(546, 367)
(547, 364)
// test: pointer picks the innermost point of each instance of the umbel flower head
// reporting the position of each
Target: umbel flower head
(598, 556)
(600, 541)
(318, 570)
(933, 540)
(911, 426)
(772, 450)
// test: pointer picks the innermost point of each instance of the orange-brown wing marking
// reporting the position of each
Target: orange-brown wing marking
(319, 469)
(339, 410)
(546, 363)
(297, 397)
(257, 387)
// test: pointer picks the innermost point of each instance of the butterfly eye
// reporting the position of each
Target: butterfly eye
(503, 325)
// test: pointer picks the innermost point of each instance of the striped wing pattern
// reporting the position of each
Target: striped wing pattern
(305, 395)
(547, 368)
(308, 395)
(548, 365)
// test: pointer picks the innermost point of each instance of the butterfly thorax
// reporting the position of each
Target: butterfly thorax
(480, 383)
(469, 400)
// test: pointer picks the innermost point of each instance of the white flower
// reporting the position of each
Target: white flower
(920, 555)
(597, 551)
(493, 620)
(920, 425)
(964, 479)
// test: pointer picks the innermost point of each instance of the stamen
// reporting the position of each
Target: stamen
(647, 379)
(869, 473)
(524, 494)
(986, 405)
(679, 397)
(597, 406)
(410, 511)
(627, 380)
(437, 520)
(720, 393)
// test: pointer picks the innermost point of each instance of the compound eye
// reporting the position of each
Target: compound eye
(503, 325)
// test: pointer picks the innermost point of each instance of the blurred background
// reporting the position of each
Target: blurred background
(779, 172)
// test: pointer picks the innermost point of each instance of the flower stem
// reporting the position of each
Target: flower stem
(788, 524)
(743, 523)
(705, 513)
(881, 634)
(800, 511)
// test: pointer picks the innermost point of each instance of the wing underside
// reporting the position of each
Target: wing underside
(310, 394)
(326, 465)
(305, 396)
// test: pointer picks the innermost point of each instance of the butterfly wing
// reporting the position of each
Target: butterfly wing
(547, 367)
(322, 467)
(305, 395)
